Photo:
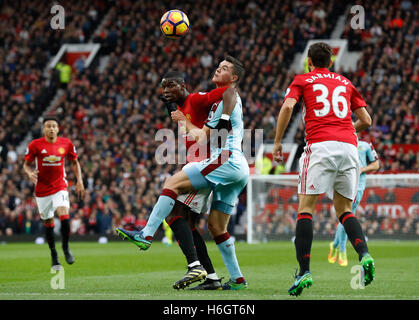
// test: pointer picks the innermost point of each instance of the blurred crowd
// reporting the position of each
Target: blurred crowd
(112, 116)
(278, 218)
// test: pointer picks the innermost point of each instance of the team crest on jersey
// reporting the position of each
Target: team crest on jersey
(61, 150)
(188, 116)
(51, 159)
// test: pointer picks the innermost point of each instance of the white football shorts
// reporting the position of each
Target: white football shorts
(329, 166)
(47, 205)
(197, 200)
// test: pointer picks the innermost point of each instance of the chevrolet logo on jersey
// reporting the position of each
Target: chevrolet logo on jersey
(51, 159)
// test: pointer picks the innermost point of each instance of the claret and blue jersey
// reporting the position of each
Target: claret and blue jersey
(226, 171)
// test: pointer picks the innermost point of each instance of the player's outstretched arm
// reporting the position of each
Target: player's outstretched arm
(364, 119)
(32, 174)
(79, 184)
(282, 123)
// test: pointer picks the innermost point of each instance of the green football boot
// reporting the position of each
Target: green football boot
(301, 282)
(136, 237)
(232, 285)
(367, 262)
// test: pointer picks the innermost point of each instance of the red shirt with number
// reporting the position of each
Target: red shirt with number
(328, 102)
(49, 159)
(196, 109)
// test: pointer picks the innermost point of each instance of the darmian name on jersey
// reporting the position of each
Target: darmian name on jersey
(326, 75)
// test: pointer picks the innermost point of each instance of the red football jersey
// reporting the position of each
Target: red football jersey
(49, 159)
(196, 109)
(328, 102)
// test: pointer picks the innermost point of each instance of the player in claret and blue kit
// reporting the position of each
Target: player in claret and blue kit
(329, 163)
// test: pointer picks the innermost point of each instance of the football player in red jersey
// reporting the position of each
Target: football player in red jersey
(329, 163)
(195, 107)
(50, 182)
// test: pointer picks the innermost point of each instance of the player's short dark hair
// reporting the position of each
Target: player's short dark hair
(320, 54)
(49, 118)
(175, 75)
(238, 67)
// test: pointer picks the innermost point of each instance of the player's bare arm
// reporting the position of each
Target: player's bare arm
(31, 173)
(282, 123)
(229, 100)
(79, 183)
(364, 119)
(375, 165)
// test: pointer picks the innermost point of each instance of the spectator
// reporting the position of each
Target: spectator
(263, 165)
(65, 71)
(415, 198)
(373, 197)
(390, 196)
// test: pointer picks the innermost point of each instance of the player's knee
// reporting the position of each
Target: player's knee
(216, 229)
(170, 183)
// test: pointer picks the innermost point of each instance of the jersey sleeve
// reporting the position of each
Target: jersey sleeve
(214, 116)
(72, 153)
(205, 99)
(356, 100)
(295, 90)
(371, 153)
(30, 152)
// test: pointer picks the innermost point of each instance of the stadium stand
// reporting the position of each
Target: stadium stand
(112, 116)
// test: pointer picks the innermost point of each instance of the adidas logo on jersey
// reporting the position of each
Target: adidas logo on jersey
(44, 151)
(312, 187)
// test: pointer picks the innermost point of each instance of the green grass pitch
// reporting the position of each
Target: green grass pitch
(118, 270)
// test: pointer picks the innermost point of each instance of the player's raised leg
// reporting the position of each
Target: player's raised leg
(343, 207)
(176, 184)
